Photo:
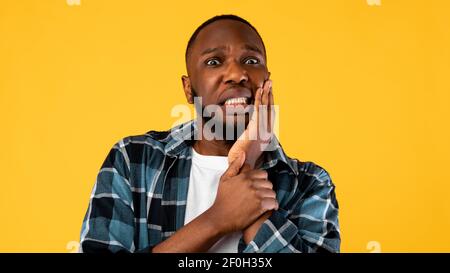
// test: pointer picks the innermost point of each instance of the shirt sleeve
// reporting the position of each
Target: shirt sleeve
(311, 225)
(109, 222)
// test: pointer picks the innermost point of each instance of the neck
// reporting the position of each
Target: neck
(213, 147)
(210, 144)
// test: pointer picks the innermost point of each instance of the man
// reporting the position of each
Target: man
(192, 190)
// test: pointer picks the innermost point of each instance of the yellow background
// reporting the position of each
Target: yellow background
(363, 91)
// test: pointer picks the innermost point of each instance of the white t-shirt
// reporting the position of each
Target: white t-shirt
(203, 184)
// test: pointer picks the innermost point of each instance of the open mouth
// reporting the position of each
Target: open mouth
(237, 106)
(237, 101)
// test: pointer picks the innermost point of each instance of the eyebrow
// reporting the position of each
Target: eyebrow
(212, 49)
(253, 48)
(220, 48)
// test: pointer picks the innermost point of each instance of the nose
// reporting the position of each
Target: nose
(235, 74)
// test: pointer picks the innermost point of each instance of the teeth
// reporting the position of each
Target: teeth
(236, 101)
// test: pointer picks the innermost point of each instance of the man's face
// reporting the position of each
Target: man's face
(226, 65)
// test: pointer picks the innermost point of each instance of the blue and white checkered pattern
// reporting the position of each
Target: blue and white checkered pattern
(139, 198)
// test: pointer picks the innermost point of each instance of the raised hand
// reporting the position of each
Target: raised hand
(259, 131)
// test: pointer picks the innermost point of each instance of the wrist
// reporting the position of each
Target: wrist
(214, 225)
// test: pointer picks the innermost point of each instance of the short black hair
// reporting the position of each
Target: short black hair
(217, 18)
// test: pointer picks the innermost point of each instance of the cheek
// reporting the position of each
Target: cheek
(258, 78)
(207, 86)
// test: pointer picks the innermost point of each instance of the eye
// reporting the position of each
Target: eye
(212, 62)
(251, 60)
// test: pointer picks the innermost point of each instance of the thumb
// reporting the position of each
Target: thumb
(235, 166)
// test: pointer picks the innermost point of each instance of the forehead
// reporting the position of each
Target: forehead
(228, 33)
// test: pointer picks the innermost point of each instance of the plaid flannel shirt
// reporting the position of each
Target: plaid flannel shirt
(139, 198)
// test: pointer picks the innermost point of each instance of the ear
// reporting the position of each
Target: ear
(187, 89)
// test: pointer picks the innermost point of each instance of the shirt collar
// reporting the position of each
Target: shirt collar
(181, 138)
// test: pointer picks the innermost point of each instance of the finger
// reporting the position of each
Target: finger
(235, 166)
(258, 174)
(262, 183)
(269, 204)
(265, 95)
(271, 93)
(266, 193)
(257, 103)
(258, 96)
(264, 113)
(270, 108)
